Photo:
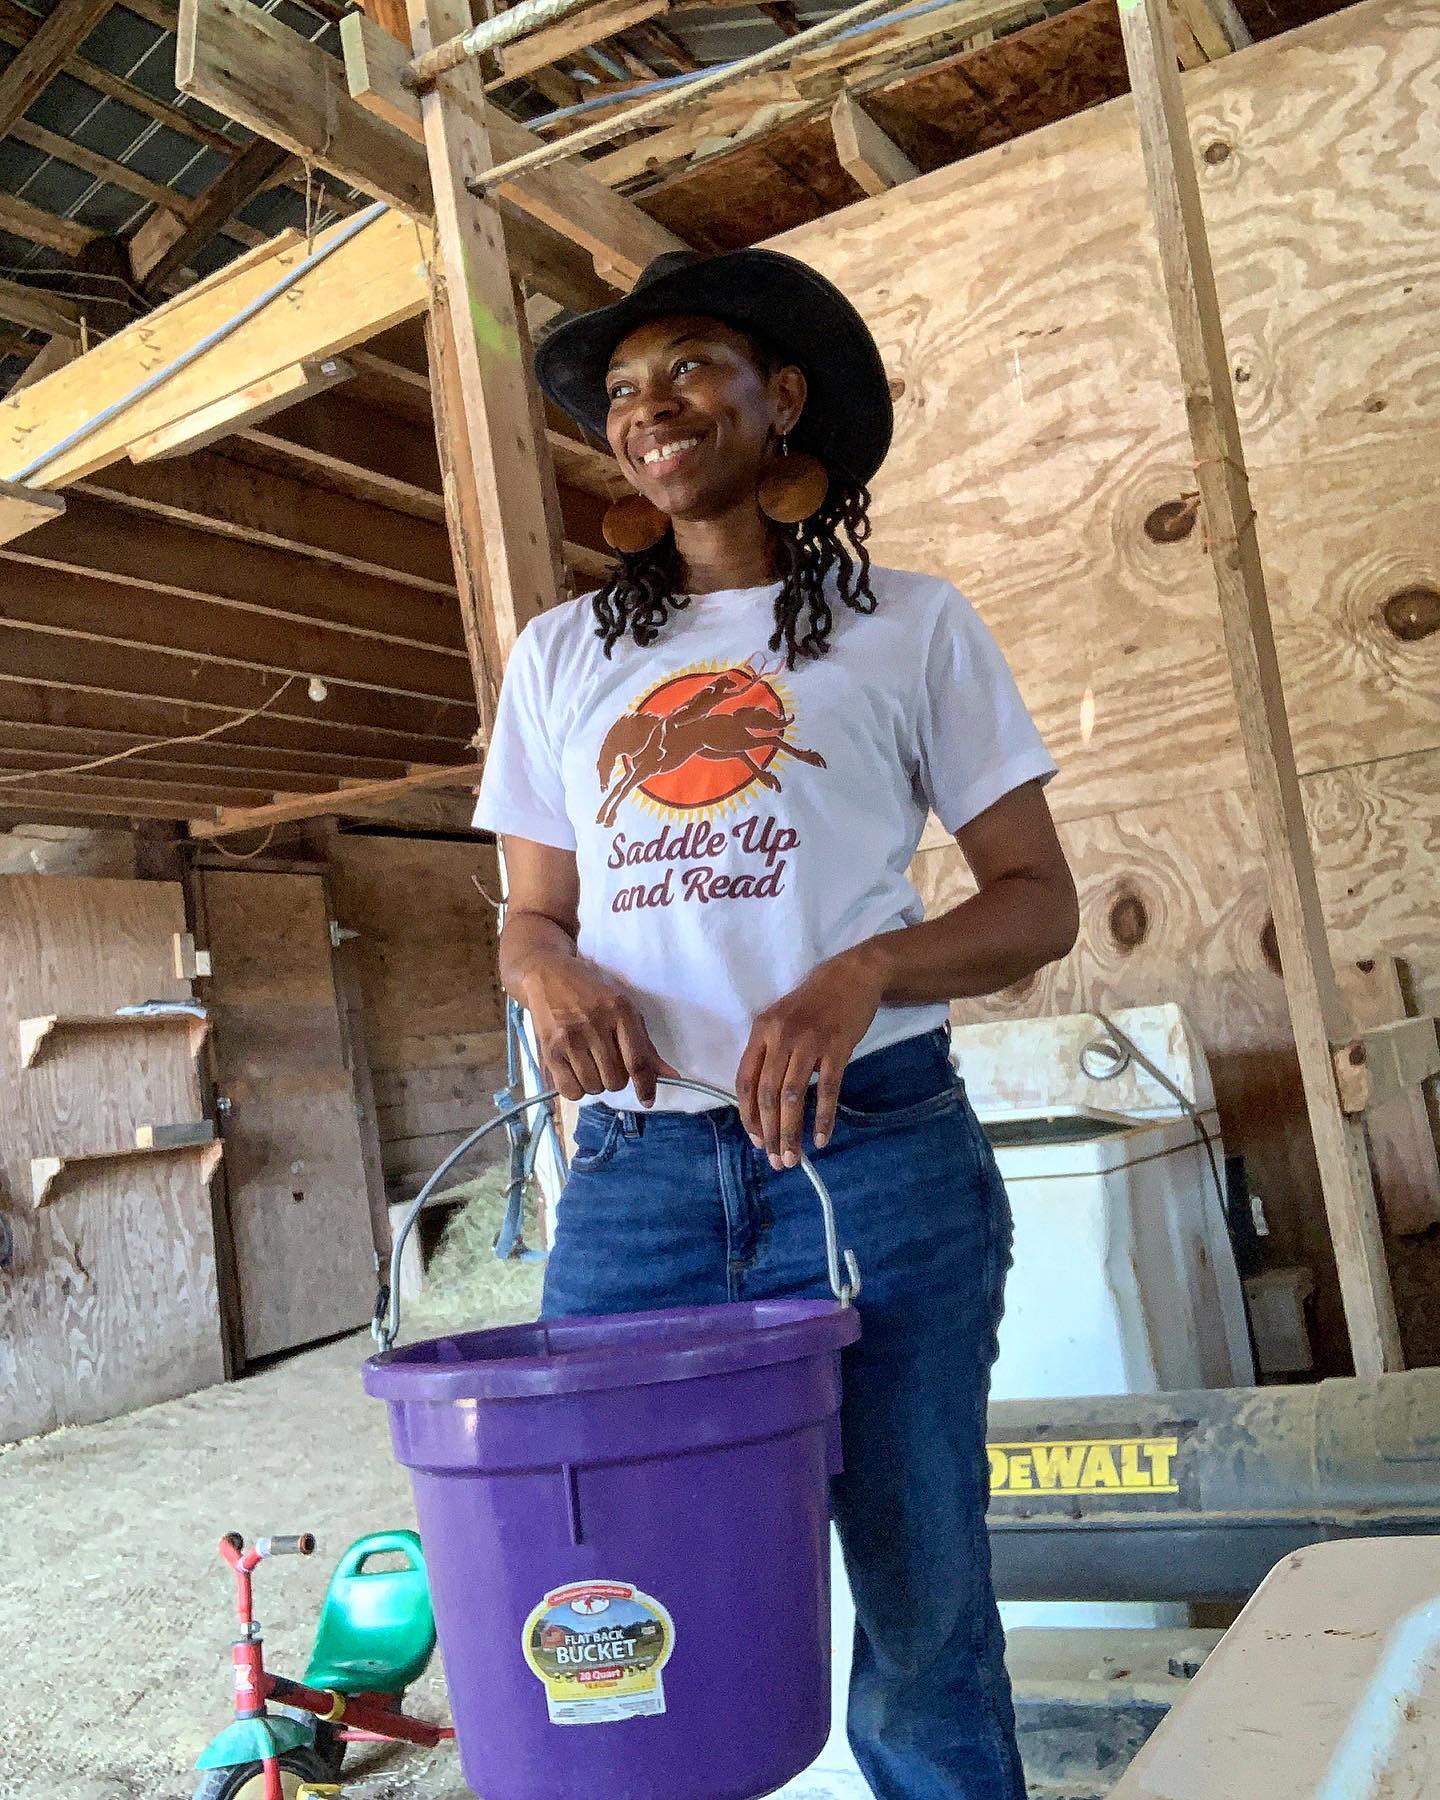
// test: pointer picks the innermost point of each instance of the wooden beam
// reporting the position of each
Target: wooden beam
(669, 46)
(128, 619)
(1217, 26)
(375, 279)
(256, 70)
(241, 410)
(201, 691)
(781, 14)
(37, 310)
(314, 806)
(103, 168)
(33, 68)
(873, 161)
(921, 37)
(96, 722)
(390, 16)
(23, 508)
(165, 557)
(1383, 1064)
(581, 31)
(1403, 1148)
(494, 429)
(216, 760)
(18, 26)
(124, 787)
(42, 805)
(214, 764)
(249, 174)
(1318, 1015)
(250, 66)
(37, 226)
(338, 444)
(232, 500)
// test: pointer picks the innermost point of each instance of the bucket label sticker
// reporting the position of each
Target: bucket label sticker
(599, 1648)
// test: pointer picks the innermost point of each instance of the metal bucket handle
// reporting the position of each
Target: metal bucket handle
(841, 1267)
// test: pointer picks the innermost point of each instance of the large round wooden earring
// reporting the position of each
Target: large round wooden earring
(633, 524)
(794, 487)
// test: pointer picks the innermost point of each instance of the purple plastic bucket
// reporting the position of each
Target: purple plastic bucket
(626, 1527)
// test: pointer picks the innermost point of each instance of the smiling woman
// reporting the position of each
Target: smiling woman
(711, 777)
(707, 415)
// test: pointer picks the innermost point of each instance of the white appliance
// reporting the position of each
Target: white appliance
(1123, 1281)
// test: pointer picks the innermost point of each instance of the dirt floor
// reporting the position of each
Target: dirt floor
(116, 1613)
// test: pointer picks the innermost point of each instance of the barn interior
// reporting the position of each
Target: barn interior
(1155, 287)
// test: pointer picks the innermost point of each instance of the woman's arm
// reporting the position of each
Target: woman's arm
(591, 1036)
(1024, 916)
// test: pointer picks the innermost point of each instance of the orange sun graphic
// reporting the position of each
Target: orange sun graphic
(699, 741)
(706, 779)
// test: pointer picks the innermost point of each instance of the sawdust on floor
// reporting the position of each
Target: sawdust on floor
(116, 1613)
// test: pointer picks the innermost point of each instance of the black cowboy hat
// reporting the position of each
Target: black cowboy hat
(795, 312)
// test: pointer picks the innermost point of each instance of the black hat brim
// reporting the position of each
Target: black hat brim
(791, 308)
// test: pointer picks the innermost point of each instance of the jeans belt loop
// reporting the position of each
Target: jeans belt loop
(632, 1124)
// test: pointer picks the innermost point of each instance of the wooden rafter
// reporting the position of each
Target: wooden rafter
(102, 168)
(374, 280)
(37, 226)
(35, 66)
(209, 690)
(18, 26)
(36, 310)
(296, 727)
(567, 198)
(248, 175)
(871, 159)
(581, 31)
(314, 806)
(130, 620)
(221, 496)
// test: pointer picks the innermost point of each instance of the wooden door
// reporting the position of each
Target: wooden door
(304, 1251)
(109, 1302)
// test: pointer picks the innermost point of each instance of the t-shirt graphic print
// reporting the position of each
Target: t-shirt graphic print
(736, 822)
(690, 752)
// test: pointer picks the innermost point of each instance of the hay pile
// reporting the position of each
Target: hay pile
(465, 1287)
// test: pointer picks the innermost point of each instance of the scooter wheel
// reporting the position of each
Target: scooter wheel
(246, 1781)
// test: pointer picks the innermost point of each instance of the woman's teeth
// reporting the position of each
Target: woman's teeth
(667, 451)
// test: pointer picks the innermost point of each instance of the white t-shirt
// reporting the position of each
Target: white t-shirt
(736, 823)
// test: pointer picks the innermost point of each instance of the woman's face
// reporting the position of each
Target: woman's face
(693, 415)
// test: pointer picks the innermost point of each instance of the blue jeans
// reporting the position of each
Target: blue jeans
(678, 1209)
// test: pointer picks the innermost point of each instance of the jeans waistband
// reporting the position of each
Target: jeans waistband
(871, 1066)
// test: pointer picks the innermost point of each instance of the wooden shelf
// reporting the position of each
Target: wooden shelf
(52, 1177)
(36, 1033)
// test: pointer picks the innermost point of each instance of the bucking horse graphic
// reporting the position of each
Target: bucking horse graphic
(648, 745)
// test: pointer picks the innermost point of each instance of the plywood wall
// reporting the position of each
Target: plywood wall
(1042, 462)
(430, 999)
(110, 1301)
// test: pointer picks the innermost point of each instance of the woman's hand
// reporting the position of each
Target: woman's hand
(813, 1028)
(591, 1035)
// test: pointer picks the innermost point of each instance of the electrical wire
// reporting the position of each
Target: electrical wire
(194, 737)
(244, 855)
(1122, 1051)
(345, 233)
